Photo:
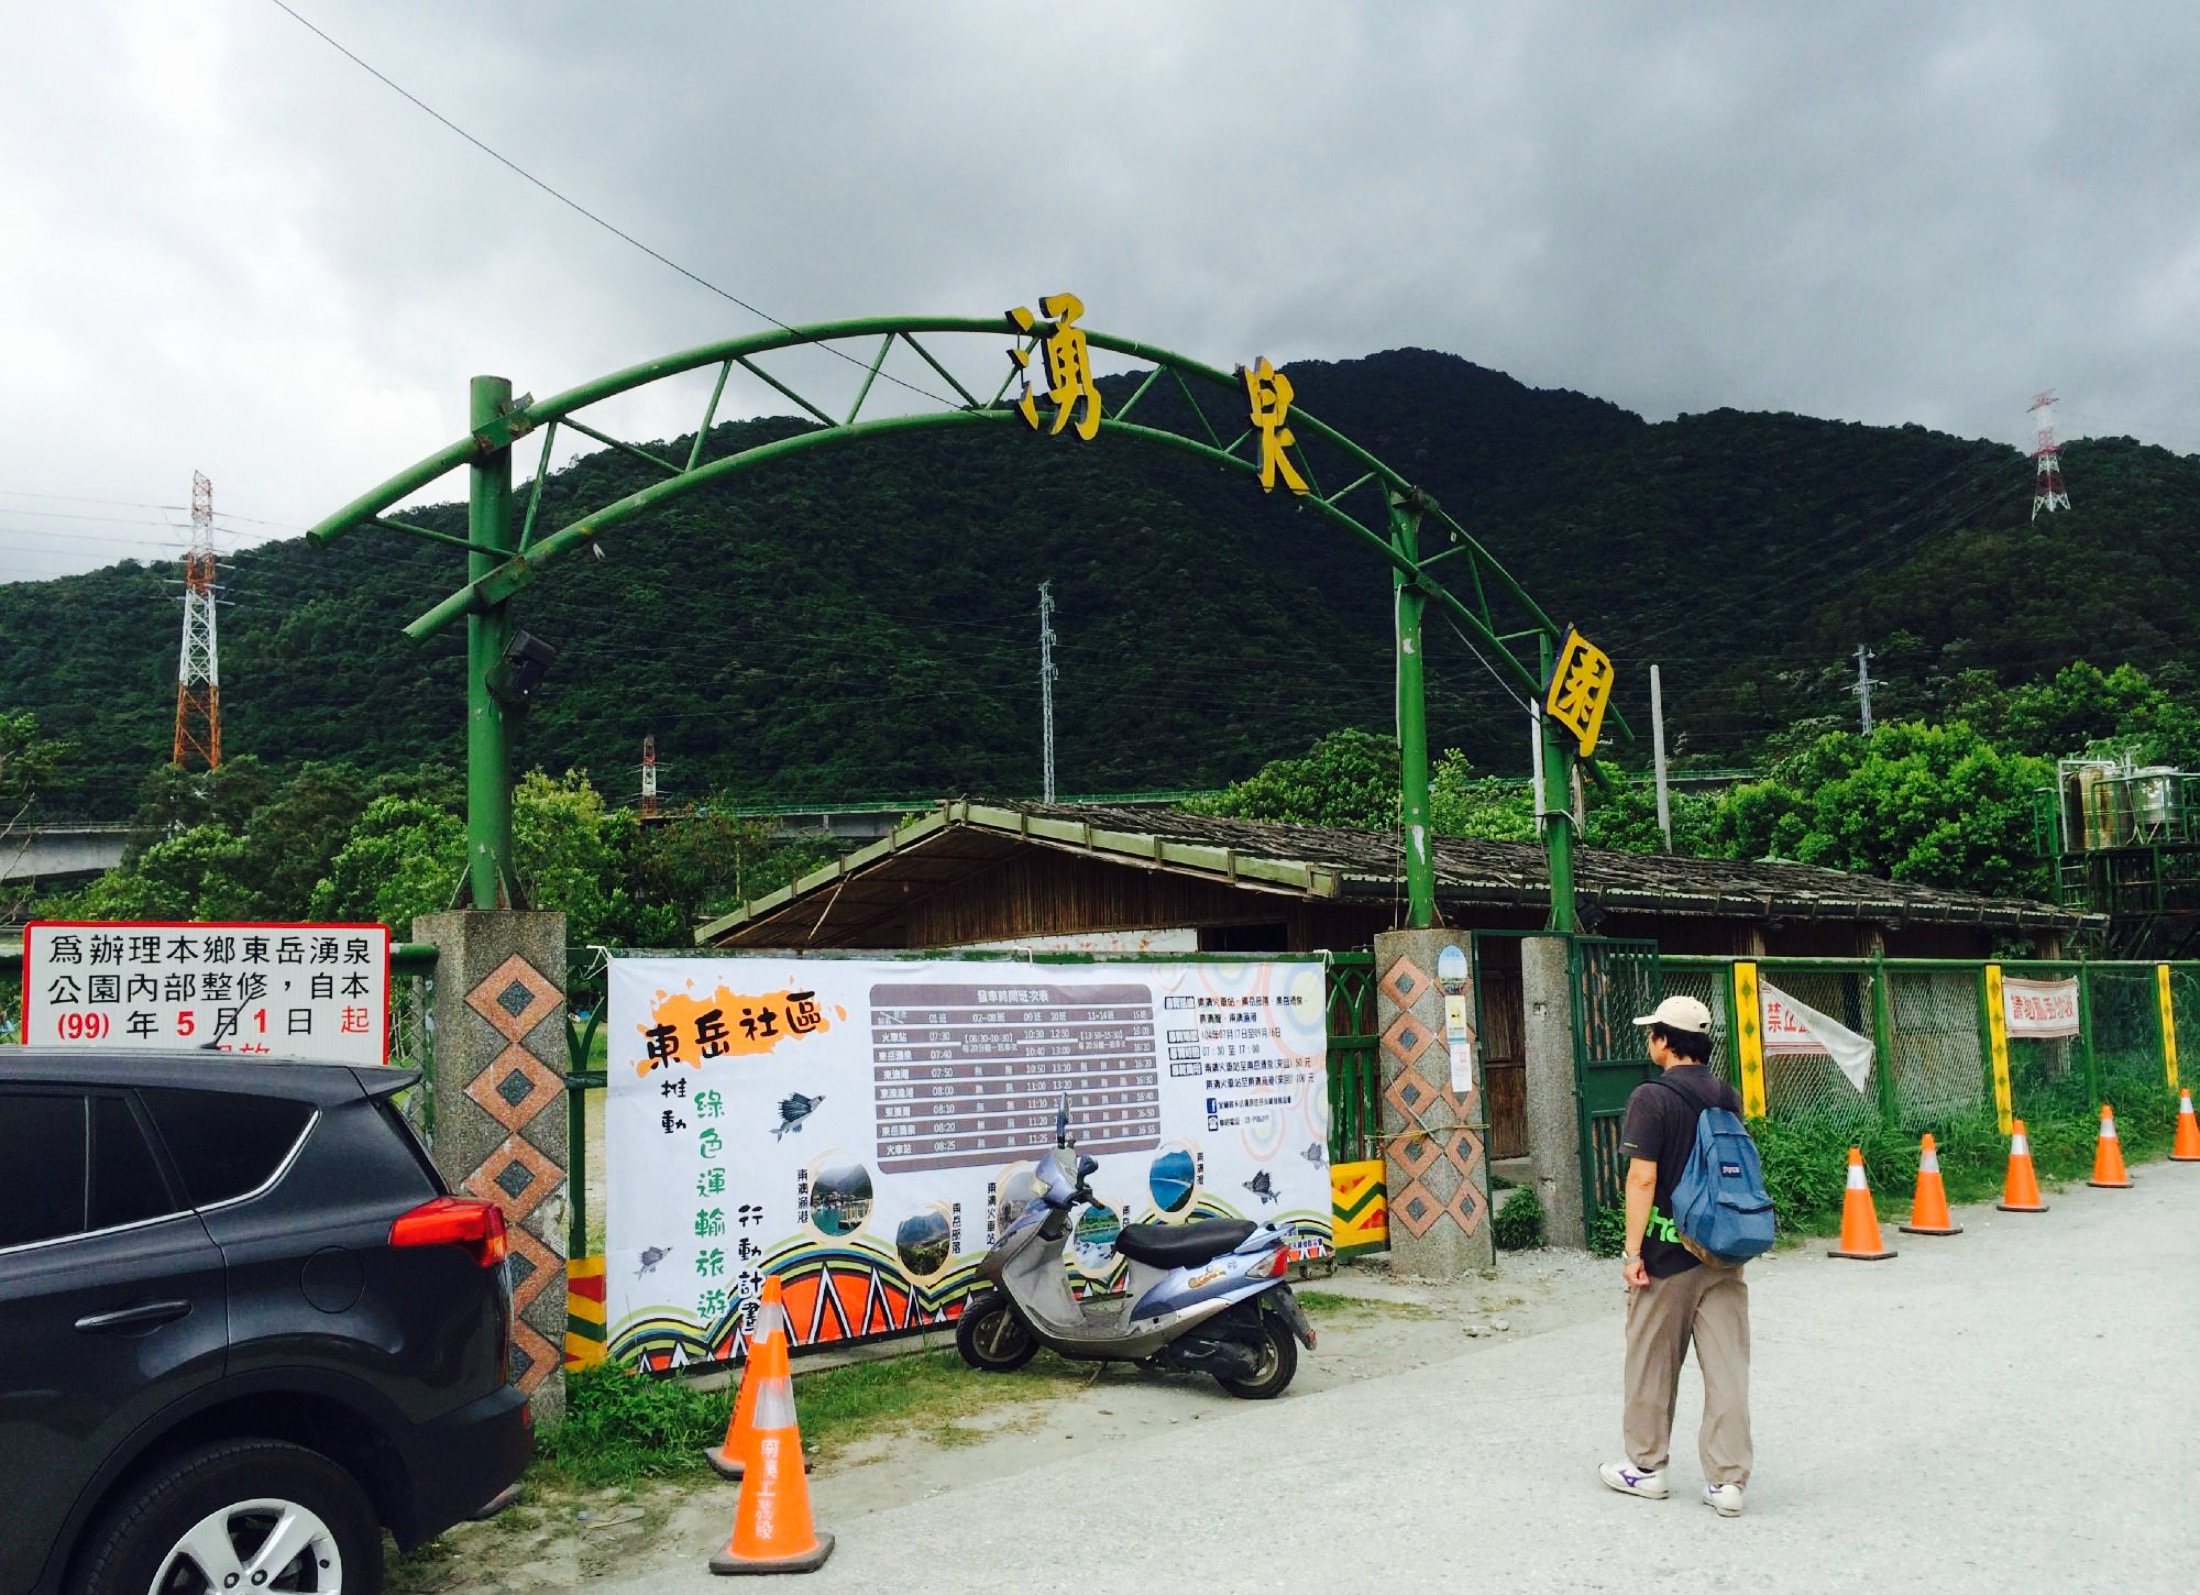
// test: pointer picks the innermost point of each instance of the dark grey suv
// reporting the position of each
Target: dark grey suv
(243, 1328)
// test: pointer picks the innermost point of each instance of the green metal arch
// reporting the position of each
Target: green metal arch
(520, 567)
(1501, 614)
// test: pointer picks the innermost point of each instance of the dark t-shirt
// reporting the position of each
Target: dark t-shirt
(1660, 1126)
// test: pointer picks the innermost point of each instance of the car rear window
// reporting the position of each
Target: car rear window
(224, 1143)
(42, 1165)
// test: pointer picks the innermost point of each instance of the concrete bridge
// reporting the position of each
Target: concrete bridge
(60, 852)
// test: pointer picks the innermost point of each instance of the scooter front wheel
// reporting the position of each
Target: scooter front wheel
(990, 1337)
(1279, 1360)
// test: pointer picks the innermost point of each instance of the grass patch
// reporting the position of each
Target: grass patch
(623, 1428)
(1332, 1304)
(927, 1393)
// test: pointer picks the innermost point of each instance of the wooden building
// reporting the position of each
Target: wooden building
(1103, 879)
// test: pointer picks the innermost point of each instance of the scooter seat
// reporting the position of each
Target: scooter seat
(1181, 1245)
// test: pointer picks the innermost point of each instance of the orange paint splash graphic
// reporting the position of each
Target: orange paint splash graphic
(685, 1028)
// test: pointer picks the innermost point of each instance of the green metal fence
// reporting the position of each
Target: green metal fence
(1932, 1059)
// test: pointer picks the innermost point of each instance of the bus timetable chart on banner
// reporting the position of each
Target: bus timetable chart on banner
(971, 1075)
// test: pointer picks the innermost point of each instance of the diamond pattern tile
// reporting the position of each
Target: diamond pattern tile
(1404, 983)
(516, 1177)
(1407, 1038)
(1416, 1209)
(538, 998)
(533, 1259)
(532, 1356)
(493, 1090)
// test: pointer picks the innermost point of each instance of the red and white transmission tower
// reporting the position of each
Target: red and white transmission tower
(649, 778)
(2047, 482)
(198, 669)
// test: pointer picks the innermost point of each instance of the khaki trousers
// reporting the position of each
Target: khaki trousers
(1709, 1306)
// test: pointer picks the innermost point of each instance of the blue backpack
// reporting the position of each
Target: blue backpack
(1720, 1204)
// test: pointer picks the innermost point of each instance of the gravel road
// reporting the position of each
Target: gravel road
(2010, 1409)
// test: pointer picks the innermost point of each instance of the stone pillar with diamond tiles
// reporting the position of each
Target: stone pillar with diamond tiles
(500, 1110)
(1434, 1168)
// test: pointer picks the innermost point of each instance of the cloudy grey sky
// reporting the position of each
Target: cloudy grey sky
(225, 247)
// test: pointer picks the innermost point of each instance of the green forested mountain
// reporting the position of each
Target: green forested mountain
(860, 623)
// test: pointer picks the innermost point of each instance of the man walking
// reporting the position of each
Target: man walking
(1673, 1297)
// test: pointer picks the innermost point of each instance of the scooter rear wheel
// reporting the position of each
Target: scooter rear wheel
(991, 1338)
(1279, 1361)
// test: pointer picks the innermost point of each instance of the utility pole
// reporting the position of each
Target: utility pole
(198, 667)
(1864, 685)
(649, 779)
(1657, 755)
(1046, 687)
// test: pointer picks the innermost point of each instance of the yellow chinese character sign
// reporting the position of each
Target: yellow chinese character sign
(1069, 367)
(1580, 689)
(1268, 392)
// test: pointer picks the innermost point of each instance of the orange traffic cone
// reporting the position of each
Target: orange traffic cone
(1859, 1219)
(1929, 1213)
(2186, 1148)
(725, 1458)
(2020, 1189)
(2108, 1156)
(772, 1528)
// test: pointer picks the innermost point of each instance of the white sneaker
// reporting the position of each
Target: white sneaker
(1628, 1479)
(1724, 1499)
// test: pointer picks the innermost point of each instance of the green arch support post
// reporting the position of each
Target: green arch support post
(1498, 617)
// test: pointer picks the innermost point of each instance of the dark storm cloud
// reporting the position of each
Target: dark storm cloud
(231, 249)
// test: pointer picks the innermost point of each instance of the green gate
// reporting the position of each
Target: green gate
(1613, 981)
(1355, 1075)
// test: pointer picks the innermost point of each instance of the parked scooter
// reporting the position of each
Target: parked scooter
(1209, 1297)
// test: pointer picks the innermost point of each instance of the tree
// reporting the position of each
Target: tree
(402, 859)
(1348, 778)
(1938, 805)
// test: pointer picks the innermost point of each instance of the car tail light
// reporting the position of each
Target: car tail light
(455, 1221)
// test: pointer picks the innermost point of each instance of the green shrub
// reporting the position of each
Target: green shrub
(1608, 1233)
(1520, 1221)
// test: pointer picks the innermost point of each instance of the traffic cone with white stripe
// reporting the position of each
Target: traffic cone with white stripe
(726, 1458)
(2186, 1148)
(2108, 1156)
(2020, 1188)
(1929, 1213)
(1859, 1219)
(772, 1528)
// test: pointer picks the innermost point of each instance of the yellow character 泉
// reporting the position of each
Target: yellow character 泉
(1581, 688)
(1269, 393)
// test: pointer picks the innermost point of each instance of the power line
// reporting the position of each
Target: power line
(576, 206)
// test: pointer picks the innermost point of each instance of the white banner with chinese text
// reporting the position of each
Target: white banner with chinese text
(1795, 1028)
(859, 1126)
(289, 991)
(2040, 1008)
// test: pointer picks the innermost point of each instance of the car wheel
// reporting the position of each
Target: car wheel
(991, 1337)
(1278, 1356)
(245, 1517)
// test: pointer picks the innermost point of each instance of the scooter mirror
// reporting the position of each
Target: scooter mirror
(1061, 1121)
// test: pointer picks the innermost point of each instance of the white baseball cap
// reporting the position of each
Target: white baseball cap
(1680, 1013)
